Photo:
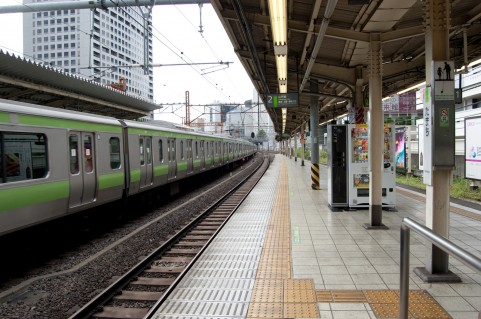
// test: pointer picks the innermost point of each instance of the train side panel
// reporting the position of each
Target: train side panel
(40, 179)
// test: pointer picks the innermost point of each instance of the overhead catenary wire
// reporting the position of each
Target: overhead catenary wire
(182, 56)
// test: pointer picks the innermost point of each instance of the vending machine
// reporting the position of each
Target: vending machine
(337, 195)
(358, 162)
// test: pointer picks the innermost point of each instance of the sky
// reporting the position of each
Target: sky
(176, 40)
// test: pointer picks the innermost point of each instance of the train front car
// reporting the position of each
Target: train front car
(53, 163)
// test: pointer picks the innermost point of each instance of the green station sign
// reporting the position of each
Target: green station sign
(283, 100)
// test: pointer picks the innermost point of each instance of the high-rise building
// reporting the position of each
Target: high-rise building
(99, 44)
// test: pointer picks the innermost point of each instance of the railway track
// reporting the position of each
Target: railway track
(143, 288)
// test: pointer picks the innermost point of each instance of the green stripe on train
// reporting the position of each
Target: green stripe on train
(135, 175)
(19, 197)
(68, 124)
(4, 118)
(181, 166)
(196, 163)
(161, 170)
(111, 180)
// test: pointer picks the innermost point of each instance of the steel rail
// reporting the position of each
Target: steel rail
(89, 309)
(439, 241)
(171, 288)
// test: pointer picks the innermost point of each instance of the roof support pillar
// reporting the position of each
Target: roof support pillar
(438, 181)
(314, 88)
(358, 97)
(295, 147)
(376, 129)
(303, 144)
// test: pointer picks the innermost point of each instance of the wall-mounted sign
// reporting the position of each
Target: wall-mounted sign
(283, 100)
(443, 80)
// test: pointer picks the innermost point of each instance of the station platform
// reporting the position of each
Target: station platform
(285, 254)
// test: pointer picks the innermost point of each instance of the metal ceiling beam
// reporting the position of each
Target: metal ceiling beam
(301, 27)
(246, 32)
(402, 34)
(331, 5)
(342, 74)
(310, 29)
(91, 4)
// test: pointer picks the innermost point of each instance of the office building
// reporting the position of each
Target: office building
(99, 44)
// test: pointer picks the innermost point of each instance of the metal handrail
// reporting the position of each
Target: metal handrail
(439, 241)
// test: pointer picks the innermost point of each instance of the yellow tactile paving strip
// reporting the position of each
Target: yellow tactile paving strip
(275, 294)
(385, 303)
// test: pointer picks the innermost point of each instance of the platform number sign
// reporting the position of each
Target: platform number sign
(280, 100)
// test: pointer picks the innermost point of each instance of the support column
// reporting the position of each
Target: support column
(376, 134)
(290, 147)
(358, 98)
(314, 88)
(437, 180)
(295, 147)
(303, 143)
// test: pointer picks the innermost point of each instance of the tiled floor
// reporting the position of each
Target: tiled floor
(335, 250)
(335, 264)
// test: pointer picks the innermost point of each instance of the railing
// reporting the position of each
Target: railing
(442, 243)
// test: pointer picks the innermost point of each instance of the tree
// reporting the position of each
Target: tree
(262, 135)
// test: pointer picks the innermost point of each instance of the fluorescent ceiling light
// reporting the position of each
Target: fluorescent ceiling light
(412, 87)
(278, 14)
(281, 63)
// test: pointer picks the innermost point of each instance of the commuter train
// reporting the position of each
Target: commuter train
(56, 162)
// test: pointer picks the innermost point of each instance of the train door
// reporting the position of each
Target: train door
(189, 157)
(146, 166)
(171, 156)
(202, 155)
(83, 179)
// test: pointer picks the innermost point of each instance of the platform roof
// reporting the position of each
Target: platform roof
(342, 58)
(26, 81)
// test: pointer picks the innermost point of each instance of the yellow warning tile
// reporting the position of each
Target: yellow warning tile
(272, 283)
(273, 275)
(301, 310)
(385, 310)
(267, 295)
(265, 310)
(420, 296)
(297, 295)
(381, 296)
(347, 296)
(324, 296)
(427, 311)
(306, 284)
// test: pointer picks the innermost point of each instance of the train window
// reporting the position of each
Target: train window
(22, 156)
(148, 149)
(196, 150)
(114, 152)
(161, 154)
(141, 151)
(74, 158)
(89, 154)
(182, 150)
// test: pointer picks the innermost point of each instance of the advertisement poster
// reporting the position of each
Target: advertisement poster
(400, 151)
(472, 133)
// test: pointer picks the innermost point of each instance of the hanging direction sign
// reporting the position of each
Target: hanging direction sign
(283, 100)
